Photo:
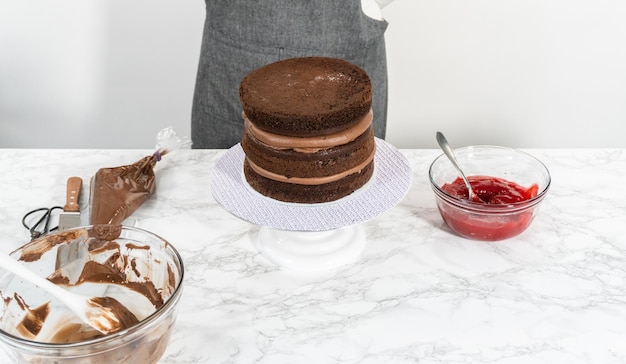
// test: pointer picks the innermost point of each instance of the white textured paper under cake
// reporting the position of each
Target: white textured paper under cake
(389, 184)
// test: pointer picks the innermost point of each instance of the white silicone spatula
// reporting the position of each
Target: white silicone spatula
(104, 314)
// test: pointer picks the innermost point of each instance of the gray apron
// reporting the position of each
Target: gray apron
(242, 35)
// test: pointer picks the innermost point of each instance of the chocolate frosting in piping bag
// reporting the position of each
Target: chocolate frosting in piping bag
(117, 192)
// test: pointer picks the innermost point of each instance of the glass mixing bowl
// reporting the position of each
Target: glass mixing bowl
(138, 268)
(482, 221)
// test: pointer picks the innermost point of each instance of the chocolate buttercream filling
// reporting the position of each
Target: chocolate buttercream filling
(310, 144)
(312, 180)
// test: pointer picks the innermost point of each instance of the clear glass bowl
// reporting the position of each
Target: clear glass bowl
(148, 281)
(489, 222)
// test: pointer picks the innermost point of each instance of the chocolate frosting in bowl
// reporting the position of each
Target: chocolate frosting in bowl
(129, 265)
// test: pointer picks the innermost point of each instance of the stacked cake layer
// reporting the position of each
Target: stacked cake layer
(308, 134)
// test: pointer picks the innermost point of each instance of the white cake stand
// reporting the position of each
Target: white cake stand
(311, 250)
(312, 237)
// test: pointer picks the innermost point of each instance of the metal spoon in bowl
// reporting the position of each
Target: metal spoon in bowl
(104, 314)
(443, 143)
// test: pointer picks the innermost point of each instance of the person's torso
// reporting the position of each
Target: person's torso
(323, 25)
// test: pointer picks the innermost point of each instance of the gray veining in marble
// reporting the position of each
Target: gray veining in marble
(418, 294)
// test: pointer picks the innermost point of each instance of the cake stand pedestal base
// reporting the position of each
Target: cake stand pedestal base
(311, 250)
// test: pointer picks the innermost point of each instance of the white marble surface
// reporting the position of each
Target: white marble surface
(555, 294)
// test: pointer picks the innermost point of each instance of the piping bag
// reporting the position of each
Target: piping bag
(118, 191)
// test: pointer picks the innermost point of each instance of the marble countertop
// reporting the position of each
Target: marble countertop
(418, 293)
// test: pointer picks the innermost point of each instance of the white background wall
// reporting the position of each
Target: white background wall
(531, 73)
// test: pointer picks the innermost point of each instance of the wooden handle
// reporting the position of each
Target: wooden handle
(74, 184)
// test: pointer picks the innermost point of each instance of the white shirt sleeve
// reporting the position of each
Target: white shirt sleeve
(372, 8)
(383, 3)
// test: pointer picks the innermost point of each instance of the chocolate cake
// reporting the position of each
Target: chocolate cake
(308, 135)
